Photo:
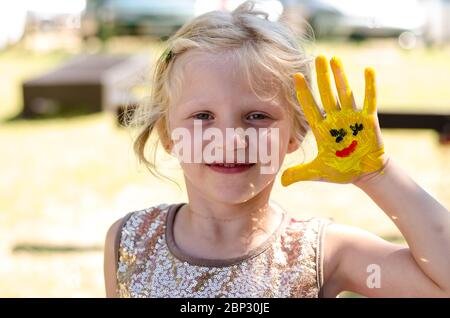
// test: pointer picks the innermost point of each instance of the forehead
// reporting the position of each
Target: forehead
(213, 77)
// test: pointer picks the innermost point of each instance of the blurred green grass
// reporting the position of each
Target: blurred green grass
(65, 180)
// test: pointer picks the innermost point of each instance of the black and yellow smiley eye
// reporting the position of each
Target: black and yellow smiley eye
(356, 128)
(339, 134)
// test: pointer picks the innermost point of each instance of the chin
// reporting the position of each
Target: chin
(231, 197)
(227, 192)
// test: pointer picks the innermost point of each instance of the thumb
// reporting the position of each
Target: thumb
(304, 172)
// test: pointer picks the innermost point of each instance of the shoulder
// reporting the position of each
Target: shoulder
(307, 233)
(141, 224)
(137, 226)
(302, 241)
(128, 228)
(311, 229)
(110, 258)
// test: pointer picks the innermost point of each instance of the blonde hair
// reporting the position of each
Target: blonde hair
(259, 45)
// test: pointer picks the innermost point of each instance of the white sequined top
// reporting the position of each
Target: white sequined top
(287, 264)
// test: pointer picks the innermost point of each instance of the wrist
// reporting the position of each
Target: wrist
(373, 178)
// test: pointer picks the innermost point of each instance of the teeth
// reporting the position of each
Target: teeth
(226, 165)
(230, 165)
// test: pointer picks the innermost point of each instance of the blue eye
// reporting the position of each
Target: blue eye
(203, 116)
(257, 116)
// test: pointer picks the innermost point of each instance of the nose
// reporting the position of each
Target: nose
(234, 141)
(236, 136)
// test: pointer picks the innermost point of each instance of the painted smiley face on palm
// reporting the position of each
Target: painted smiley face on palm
(348, 140)
(341, 133)
(343, 140)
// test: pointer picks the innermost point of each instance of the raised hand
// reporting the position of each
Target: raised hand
(348, 139)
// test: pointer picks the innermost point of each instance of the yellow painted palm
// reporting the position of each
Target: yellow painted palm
(348, 139)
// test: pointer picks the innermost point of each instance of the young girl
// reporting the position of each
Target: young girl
(235, 70)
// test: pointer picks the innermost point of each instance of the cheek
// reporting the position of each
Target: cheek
(193, 171)
(187, 144)
(284, 137)
(275, 142)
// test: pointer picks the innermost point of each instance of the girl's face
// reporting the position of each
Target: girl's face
(215, 94)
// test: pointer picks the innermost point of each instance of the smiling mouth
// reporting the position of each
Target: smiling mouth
(230, 167)
(348, 150)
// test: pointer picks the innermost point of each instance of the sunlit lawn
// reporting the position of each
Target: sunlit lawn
(64, 181)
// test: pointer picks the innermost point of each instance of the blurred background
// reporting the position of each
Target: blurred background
(67, 170)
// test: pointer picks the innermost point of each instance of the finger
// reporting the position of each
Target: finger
(344, 91)
(370, 99)
(306, 100)
(303, 172)
(324, 81)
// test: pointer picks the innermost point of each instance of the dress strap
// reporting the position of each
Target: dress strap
(320, 254)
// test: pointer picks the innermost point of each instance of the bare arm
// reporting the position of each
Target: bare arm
(351, 150)
(109, 261)
(420, 270)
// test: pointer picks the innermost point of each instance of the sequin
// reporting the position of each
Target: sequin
(289, 267)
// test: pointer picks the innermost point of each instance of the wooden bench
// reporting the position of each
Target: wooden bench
(439, 122)
(87, 83)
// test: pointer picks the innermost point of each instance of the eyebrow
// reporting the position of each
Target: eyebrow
(253, 103)
(193, 103)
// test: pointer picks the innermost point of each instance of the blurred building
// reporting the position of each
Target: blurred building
(54, 15)
(437, 25)
(12, 24)
(357, 19)
(105, 18)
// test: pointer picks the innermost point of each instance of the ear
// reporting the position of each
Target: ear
(293, 144)
(163, 134)
(167, 146)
